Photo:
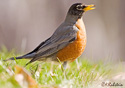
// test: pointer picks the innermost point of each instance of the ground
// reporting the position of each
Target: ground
(81, 73)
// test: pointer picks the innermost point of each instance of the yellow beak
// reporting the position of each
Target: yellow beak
(89, 7)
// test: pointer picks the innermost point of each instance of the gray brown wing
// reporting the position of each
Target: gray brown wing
(59, 40)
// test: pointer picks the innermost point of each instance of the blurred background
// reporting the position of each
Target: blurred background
(26, 23)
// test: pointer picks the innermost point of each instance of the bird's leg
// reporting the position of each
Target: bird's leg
(63, 67)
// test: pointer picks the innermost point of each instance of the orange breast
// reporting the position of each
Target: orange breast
(76, 48)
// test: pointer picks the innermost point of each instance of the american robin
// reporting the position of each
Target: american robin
(68, 41)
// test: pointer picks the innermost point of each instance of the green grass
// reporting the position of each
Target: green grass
(77, 75)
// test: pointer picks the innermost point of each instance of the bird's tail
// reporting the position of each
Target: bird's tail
(26, 56)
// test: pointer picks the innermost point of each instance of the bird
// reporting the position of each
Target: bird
(68, 41)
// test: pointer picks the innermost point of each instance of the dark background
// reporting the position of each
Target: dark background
(25, 23)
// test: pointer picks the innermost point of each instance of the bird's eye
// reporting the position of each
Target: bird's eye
(79, 7)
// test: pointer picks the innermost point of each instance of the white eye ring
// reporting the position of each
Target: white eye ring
(79, 7)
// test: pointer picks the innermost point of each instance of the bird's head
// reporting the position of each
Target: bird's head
(78, 9)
